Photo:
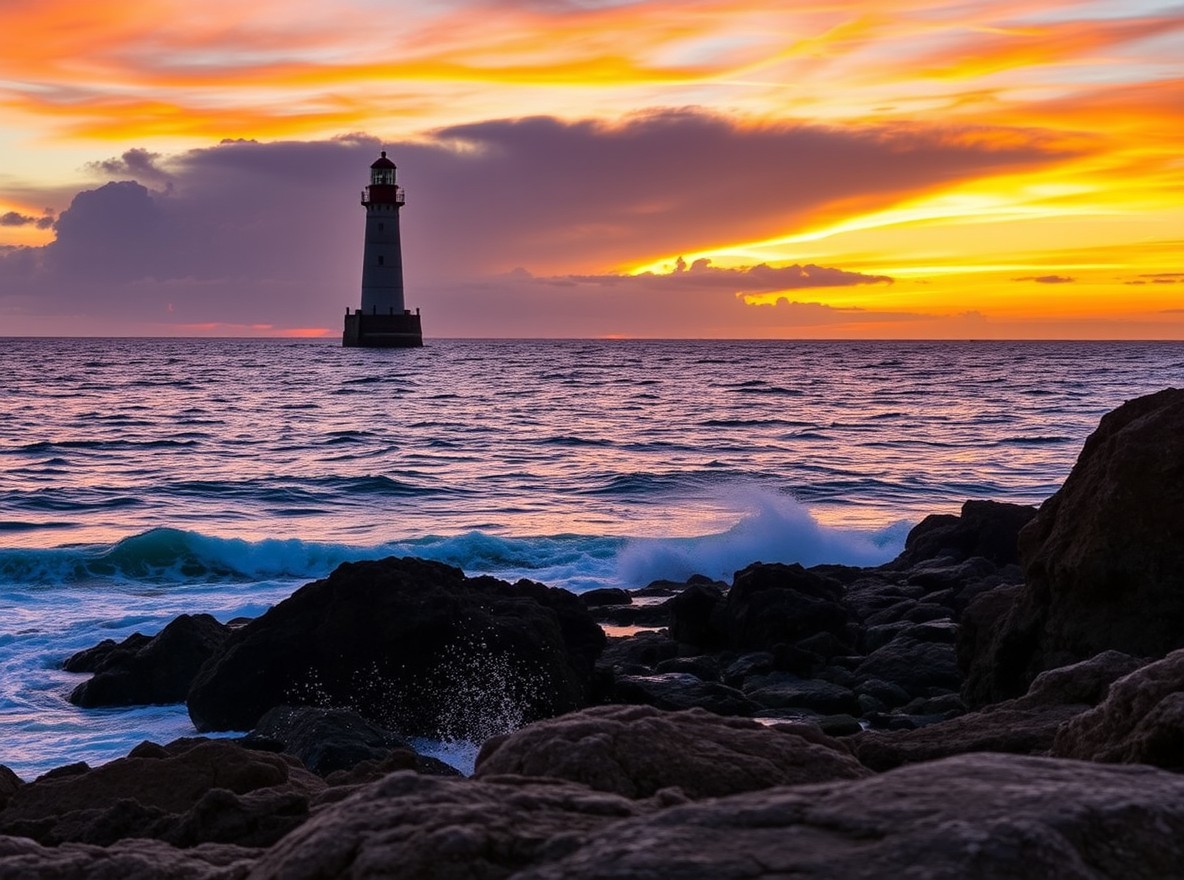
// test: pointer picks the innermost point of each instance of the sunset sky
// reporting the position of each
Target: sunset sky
(873, 168)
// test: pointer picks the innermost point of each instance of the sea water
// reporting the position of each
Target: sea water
(141, 479)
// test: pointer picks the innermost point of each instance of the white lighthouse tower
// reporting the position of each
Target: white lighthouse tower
(382, 321)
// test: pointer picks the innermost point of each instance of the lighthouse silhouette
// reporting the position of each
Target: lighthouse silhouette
(382, 321)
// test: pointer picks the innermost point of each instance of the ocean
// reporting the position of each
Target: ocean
(145, 478)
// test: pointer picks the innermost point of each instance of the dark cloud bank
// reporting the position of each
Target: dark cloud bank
(497, 213)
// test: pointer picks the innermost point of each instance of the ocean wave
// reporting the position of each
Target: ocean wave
(772, 528)
(776, 528)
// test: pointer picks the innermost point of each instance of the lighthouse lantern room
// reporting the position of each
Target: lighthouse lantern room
(382, 321)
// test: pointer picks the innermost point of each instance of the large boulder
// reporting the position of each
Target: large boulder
(1141, 720)
(412, 645)
(1104, 557)
(430, 828)
(636, 751)
(982, 816)
(141, 670)
(186, 793)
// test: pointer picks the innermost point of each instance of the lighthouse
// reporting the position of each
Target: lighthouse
(382, 321)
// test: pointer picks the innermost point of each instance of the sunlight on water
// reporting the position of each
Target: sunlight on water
(147, 478)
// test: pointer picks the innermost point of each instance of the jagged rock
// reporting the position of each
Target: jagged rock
(9, 783)
(188, 792)
(697, 617)
(1104, 558)
(986, 529)
(127, 860)
(679, 690)
(1027, 725)
(643, 650)
(781, 690)
(914, 665)
(409, 644)
(606, 596)
(983, 816)
(430, 828)
(636, 751)
(90, 659)
(141, 670)
(329, 740)
(771, 604)
(1140, 721)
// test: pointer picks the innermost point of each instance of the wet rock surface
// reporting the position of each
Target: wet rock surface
(142, 669)
(411, 645)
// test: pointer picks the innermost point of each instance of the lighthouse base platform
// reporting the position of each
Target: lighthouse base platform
(382, 331)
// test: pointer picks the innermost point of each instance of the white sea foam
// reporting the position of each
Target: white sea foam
(774, 528)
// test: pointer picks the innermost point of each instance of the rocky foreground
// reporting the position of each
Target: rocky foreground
(1005, 699)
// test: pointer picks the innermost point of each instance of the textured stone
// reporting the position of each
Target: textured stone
(24, 859)
(1140, 721)
(636, 751)
(429, 828)
(1104, 558)
(979, 816)
(188, 792)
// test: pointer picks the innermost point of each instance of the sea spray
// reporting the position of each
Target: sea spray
(776, 528)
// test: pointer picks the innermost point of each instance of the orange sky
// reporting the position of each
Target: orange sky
(1080, 236)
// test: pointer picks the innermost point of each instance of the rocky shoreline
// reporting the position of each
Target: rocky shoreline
(1005, 699)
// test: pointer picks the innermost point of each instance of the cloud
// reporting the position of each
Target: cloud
(270, 233)
(701, 275)
(14, 218)
(136, 164)
(1047, 279)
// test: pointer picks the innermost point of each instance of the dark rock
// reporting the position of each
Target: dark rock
(126, 860)
(9, 783)
(678, 690)
(643, 649)
(1086, 683)
(980, 642)
(914, 665)
(409, 644)
(636, 751)
(702, 666)
(168, 797)
(1027, 725)
(839, 725)
(429, 828)
(980, 816)
(1141, 720)
(91, 659)
(987, 529)
(746, 665)
(606, 596)
(143, 670)
(697, 617)
(885, 691)
(780, 690)
(770, 604)
(1104, 558)
(326, 740)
